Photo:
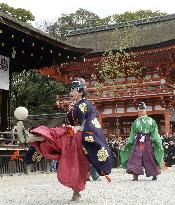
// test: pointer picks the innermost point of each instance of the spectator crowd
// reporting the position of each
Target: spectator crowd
(169, 149)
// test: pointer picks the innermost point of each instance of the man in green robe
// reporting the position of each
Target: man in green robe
(143, 148)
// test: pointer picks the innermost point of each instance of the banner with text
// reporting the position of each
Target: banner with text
(4, 72)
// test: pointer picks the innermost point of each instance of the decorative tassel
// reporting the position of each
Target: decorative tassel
(70, 131)
(16, 155)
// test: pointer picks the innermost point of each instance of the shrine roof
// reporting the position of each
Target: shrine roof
(152, 31)
(31, 48)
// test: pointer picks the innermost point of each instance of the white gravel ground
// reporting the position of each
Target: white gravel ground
(43, 189)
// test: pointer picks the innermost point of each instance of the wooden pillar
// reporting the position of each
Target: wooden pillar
(167, 121)
(4, 110)
(99, 117)
(27, 169)
(113, 109)
(48, 161)
(100, 120)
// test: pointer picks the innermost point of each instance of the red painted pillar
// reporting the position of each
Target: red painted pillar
(100, 119)
(167, 121)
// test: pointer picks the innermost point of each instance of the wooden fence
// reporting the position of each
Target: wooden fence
(8, 166)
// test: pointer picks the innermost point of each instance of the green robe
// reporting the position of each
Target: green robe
(144, 124)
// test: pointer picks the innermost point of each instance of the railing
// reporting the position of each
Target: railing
(49, 120)
(7, 166)
(132, 90)
(126, 91)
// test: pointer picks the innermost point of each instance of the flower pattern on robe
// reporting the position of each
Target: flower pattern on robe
(83, 107)
(102, 154)
(96, 123)
(93, 140)
(89, 139)
(36, 157)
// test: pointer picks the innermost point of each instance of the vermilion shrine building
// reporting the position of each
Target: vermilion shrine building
(117, 104)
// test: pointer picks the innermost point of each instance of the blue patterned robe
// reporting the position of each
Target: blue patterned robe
(93, 139)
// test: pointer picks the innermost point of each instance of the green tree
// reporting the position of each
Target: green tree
(19, 13)
(85, 19)
(140, 14)
(35, 91)
(78, 20)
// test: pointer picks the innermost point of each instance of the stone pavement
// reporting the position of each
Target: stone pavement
(43, 189)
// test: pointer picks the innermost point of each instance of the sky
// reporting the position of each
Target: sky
(50, 10)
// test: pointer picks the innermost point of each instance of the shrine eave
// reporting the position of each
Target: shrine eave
(147, 33)
(153, 48)
(30, 48)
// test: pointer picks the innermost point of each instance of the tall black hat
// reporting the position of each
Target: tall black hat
(142, 106)
(79, 84)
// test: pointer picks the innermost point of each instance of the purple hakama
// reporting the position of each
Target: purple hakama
(141, 157)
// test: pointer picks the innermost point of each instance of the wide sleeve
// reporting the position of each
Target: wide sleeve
(157, 145)
(126, 151)
(156, 139)
(131, 138)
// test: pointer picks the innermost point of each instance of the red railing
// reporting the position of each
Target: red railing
(126, 91)
(146, 89)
